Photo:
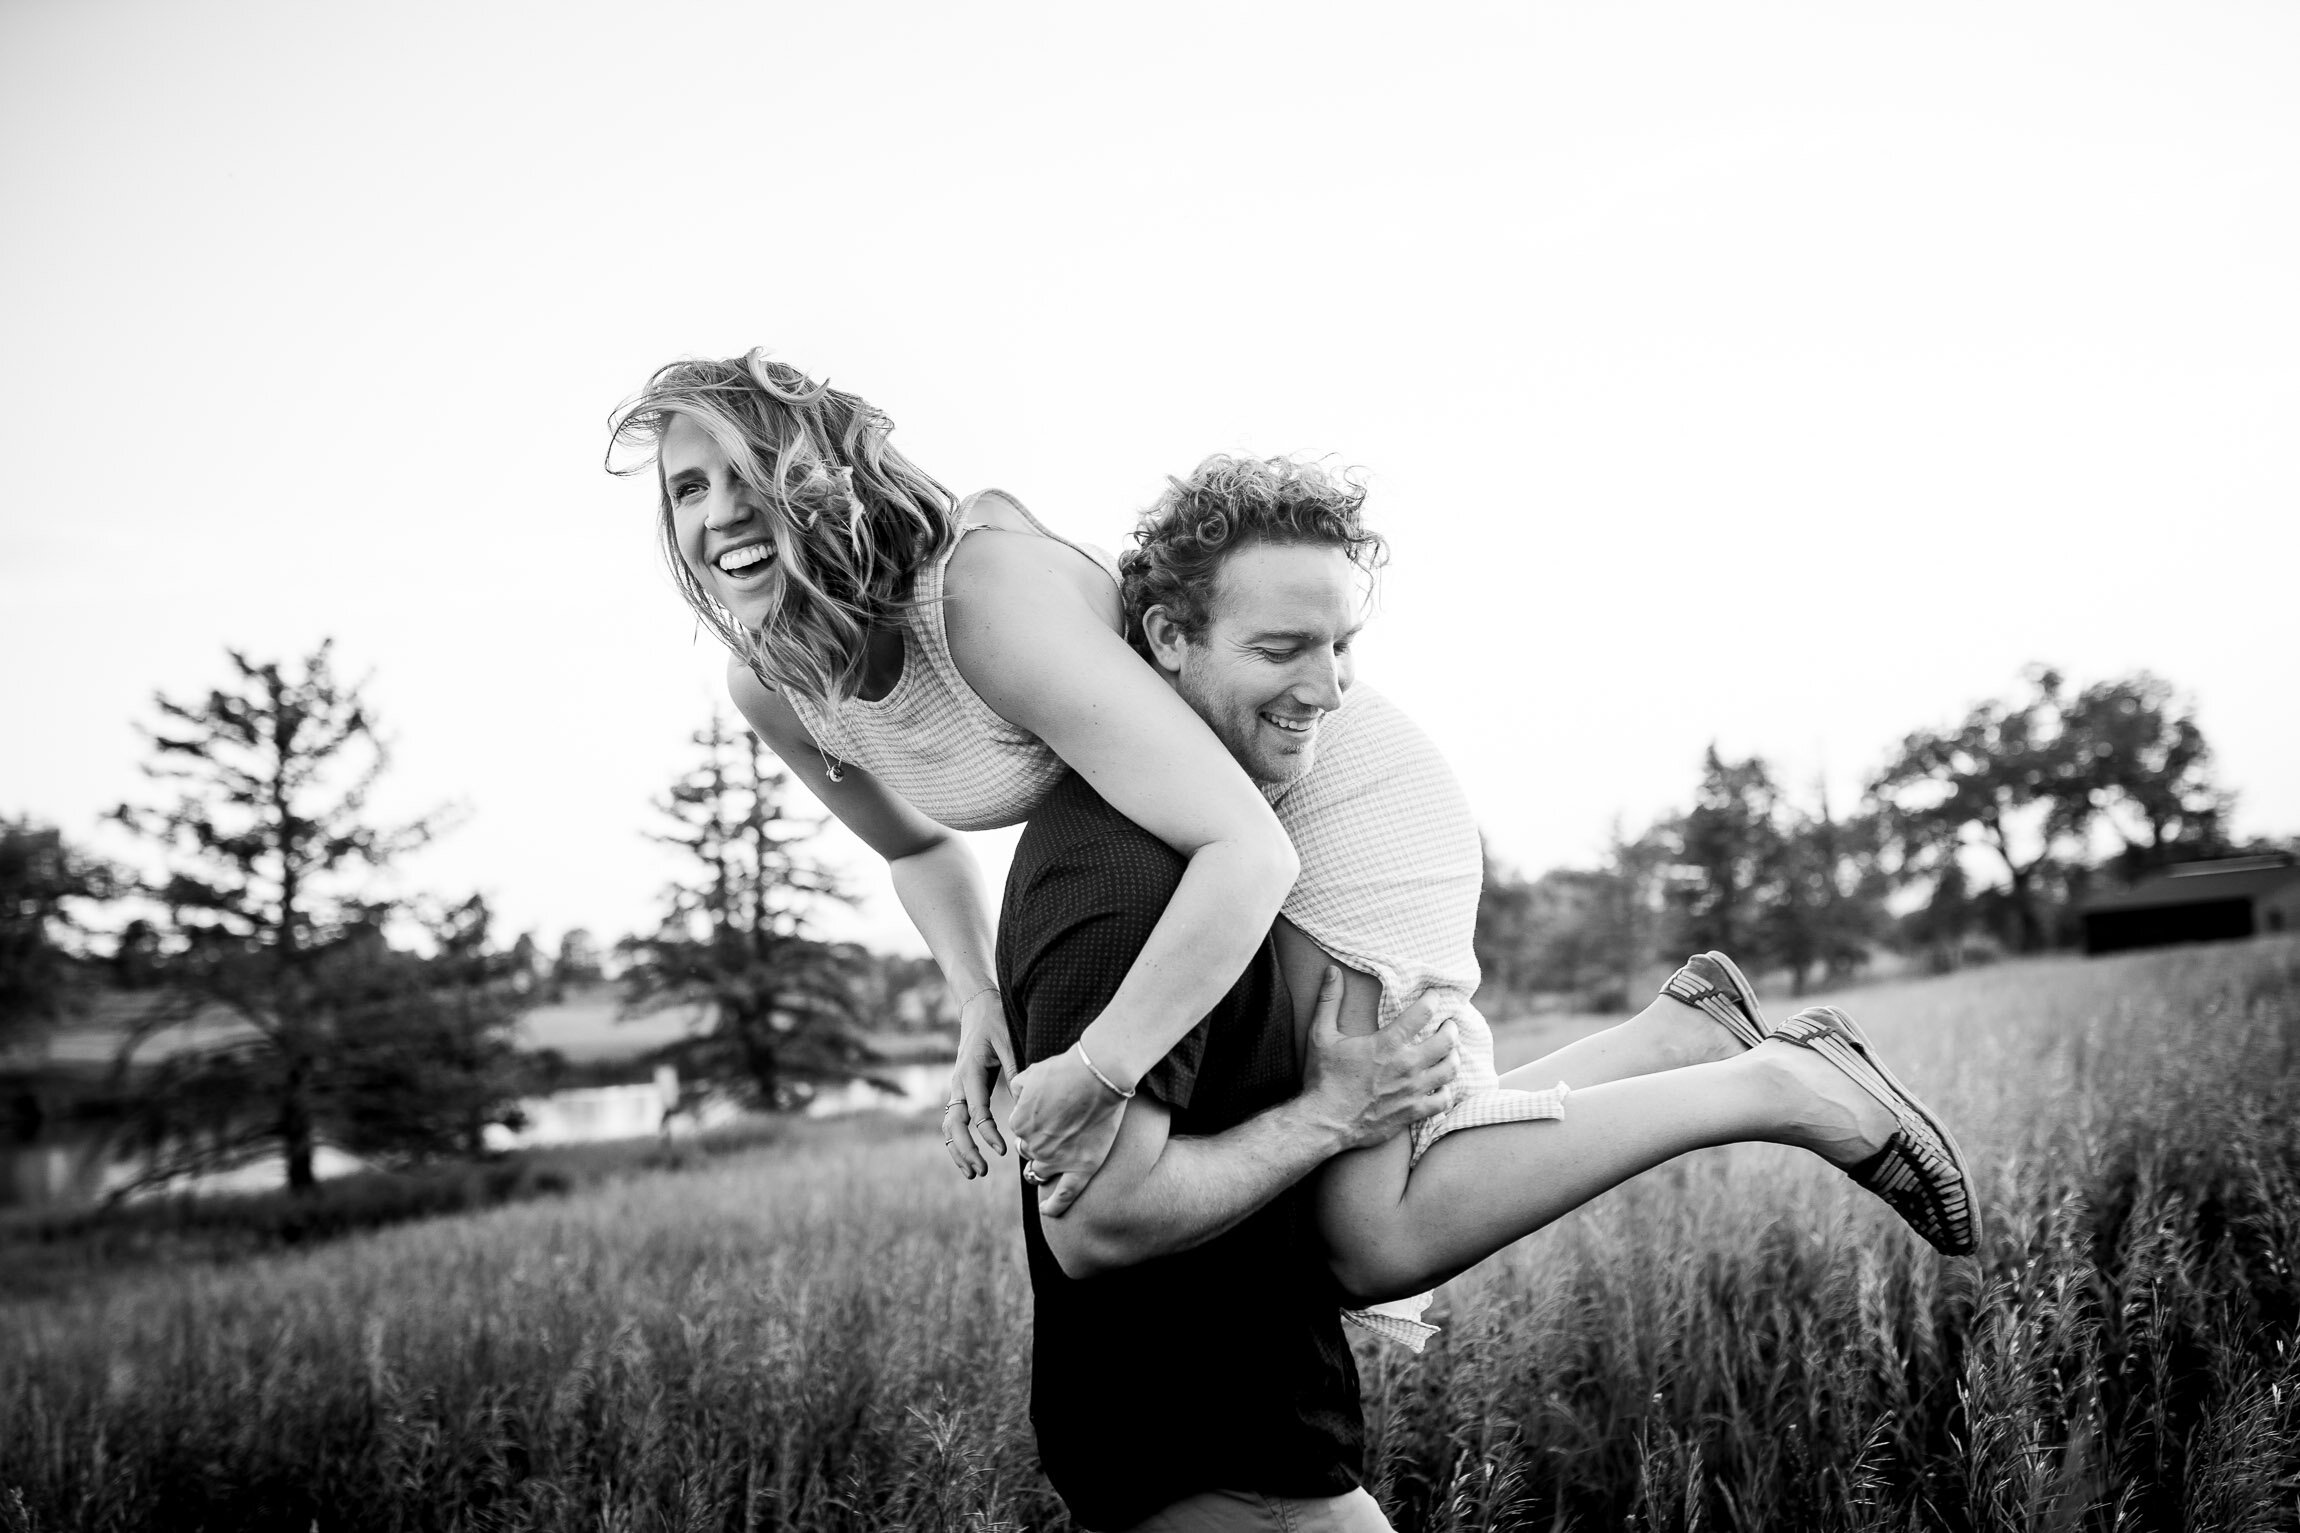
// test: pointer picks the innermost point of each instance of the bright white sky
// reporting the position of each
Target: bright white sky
(1781, 375)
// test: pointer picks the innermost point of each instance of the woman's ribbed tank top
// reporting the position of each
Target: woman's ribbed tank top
(932, 739)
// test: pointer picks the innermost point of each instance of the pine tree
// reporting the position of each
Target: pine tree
(782, 1010)
(274, 922)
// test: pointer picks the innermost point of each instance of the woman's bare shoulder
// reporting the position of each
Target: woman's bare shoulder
(996, 567)
(765, 708)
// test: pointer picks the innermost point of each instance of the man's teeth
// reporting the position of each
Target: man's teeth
(735, 559)
(1293, 726)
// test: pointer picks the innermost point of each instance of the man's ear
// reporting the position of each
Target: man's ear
(1165, 639)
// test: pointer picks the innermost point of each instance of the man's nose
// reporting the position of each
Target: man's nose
(1328, 677)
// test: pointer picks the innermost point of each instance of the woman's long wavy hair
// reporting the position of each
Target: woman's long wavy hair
(852, 519)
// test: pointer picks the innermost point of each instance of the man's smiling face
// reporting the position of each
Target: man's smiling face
(1275, 656)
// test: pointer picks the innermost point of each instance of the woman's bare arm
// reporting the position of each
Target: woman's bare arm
(1032, 629)
(941, 889)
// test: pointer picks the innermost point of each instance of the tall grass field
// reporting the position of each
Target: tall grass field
(834, 1332)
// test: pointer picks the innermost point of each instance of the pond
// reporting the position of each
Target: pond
(71, 1163)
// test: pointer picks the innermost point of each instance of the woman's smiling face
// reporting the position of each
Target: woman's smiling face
(724, 527)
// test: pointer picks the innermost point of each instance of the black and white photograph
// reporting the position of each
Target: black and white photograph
(1264, 768)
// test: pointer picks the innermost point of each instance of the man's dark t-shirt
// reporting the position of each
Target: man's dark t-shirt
(1219, 1367)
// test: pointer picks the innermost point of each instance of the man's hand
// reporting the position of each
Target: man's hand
(984, 1049)
(1376, 1085)
(1065, 1121)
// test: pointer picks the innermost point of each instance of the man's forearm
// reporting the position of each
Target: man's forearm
(1197, 1188)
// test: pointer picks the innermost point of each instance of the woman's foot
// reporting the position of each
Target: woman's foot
(1822, 1110)
(1669, 1035)
(1709, 1010)
(1715, 985)
(1917, 1169)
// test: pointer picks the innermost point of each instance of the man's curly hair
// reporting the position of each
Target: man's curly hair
(1227, 504)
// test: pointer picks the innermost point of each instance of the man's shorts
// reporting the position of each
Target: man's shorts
(1237, 1511)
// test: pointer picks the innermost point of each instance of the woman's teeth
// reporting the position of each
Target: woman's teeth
(735, 560)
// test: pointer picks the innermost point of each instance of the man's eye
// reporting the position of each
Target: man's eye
(1278, 656)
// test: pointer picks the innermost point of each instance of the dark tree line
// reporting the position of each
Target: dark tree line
(1987, 832)
(46, 889)
(289, 1000)
(1748, 869)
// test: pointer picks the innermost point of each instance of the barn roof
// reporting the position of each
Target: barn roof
(2200, 883)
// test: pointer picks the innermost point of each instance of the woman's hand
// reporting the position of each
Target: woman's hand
(984, 1049)
(1064, 1123)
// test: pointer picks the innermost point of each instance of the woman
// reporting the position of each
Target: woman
(944, 662)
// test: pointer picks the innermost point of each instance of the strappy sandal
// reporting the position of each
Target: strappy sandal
(1716, 985)
(1920, 1172)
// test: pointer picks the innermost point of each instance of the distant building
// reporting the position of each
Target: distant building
(2197, 902)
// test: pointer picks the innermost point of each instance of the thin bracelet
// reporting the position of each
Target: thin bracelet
(1079, 1048)
(978, 995)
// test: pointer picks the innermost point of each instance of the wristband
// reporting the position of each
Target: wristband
(1079, 1048)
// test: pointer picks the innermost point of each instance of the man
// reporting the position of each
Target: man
(1190, 1369)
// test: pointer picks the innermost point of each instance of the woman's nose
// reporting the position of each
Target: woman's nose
(730, 509)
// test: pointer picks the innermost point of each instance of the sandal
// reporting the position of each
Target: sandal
(1920, 1173)
(1715, 984)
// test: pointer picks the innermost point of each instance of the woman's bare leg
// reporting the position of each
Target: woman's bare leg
(1479, 1189)
(1645, 1091)
(1667, 1035)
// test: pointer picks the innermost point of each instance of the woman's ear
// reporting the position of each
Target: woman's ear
(1165, 639)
